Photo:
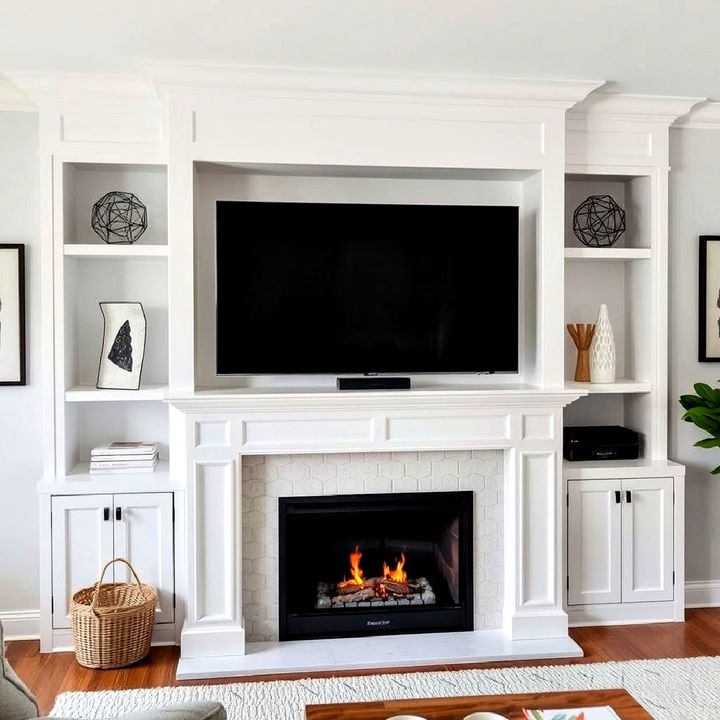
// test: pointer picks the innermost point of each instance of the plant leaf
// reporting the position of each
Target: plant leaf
(708, 443)
(716, 471)
(705, 392)
(691, 401)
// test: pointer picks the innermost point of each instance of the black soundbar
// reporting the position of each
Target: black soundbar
(373, 383)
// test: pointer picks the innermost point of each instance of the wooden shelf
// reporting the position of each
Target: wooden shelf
(100, 251)
(622, 386)
(88, 393)
(611, 253)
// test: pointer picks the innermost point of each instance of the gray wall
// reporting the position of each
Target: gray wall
(694, 211)
(20, 412)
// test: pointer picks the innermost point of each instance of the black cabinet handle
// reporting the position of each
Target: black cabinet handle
(118, 513)
(628, 496)
(106, 514)
(617, 496)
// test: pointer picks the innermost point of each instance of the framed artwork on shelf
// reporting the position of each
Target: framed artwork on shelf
(12, 314)
(709, 299)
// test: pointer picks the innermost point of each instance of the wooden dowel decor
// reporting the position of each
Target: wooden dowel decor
(582, 335)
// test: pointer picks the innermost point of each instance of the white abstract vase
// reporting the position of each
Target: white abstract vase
(602, 350)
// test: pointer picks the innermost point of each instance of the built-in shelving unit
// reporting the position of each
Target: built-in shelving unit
(88, 272)
(625, 277)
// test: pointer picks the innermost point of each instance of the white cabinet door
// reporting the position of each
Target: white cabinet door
(144, 536)
(594, 542)
(82, 542)
(647, 539)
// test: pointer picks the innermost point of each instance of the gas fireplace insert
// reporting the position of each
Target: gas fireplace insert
(353, 565)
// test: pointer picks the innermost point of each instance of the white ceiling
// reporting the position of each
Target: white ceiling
(646, 46)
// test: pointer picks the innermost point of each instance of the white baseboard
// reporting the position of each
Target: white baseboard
(702, 593)
(20, 624)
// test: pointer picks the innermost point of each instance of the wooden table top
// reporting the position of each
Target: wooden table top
(458, 707)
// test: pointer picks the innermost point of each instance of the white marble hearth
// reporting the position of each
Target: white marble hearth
(223, 432)
(391, 651)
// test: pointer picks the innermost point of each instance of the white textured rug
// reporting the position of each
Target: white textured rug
(668, 689)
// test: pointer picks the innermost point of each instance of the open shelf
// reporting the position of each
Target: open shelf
(632, 193)
(85, 183)
(100, 251)
(89, 393)
(622, 385)
(611, 253)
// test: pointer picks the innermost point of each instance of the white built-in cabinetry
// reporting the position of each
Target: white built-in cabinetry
(86, 519)
(620, 540)
(220, 133)
(623, 550)
(89, 530)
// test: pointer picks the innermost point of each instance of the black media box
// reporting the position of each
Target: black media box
(600, 442)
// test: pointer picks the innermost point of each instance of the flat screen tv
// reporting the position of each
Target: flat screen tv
(351, 288)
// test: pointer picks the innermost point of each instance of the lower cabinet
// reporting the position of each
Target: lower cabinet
(620, 541)
(90, 530)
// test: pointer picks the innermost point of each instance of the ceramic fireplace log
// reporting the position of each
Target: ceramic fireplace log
(358, 596)
(392, 586)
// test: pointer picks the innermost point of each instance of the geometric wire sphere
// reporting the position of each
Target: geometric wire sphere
(598, 221)
(119, 218)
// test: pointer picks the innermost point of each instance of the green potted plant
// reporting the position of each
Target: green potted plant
(703, 410)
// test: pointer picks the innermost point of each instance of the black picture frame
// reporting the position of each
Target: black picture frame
(709, 325)
(21, 349)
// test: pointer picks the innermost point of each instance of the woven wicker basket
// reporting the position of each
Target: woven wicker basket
(112, 623)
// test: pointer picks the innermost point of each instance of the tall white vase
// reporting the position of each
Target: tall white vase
(602, 350)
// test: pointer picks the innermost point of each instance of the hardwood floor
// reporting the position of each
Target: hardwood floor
(50, 674)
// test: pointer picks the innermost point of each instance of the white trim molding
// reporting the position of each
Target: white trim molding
(14, 100)
(702, 593)
(283, 81)
(20, 624)
(701, 117)
(640, 108)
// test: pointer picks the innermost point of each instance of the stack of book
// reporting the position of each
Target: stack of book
(124, 457)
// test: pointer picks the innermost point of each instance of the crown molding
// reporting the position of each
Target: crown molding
(634, 108)
(73, 88)
(347, 84)
(701, 117)
(13, 99)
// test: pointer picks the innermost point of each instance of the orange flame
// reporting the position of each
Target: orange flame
(355, 570)
(398, 574)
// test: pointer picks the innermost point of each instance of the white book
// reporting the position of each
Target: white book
(97, 464)
(122, 470)
(125, 448)
(147, 457)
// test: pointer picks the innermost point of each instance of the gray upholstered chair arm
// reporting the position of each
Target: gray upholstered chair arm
(186, 711)
(16, 701)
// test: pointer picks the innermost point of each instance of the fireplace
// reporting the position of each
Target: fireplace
(353, 565)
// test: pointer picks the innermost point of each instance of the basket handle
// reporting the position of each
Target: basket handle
(102, 575)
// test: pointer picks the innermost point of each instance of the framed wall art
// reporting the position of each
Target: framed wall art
(12, 314)
(709, 299)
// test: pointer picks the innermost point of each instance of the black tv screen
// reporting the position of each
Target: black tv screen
(353, 288)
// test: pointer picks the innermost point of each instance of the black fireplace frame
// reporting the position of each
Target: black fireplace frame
(366, 621)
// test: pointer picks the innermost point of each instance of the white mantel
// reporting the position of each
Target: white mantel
(217, 429)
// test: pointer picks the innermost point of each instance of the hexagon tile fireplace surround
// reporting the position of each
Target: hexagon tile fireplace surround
(219, 430)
